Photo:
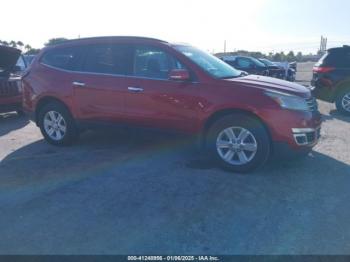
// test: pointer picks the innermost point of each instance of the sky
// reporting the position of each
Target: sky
(254, 25)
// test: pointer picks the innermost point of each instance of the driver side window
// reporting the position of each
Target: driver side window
(151, 62)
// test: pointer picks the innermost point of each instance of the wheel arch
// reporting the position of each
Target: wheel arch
(225, 112)
(46, 100)
(340, 87)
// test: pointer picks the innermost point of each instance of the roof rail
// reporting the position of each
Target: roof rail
(110, 37)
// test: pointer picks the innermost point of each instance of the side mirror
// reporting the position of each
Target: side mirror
(179, 75)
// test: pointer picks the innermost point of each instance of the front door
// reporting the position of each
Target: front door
(153, 100)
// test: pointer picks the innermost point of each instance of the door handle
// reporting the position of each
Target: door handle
(135, 89)
(78, 83)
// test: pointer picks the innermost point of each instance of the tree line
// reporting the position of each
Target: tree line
(277, 57)
(28, 49)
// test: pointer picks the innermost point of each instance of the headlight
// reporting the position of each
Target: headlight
(288, 101)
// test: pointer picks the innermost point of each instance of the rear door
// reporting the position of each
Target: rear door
(100, 87)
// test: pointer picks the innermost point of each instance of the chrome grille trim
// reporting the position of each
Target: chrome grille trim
(9, 88)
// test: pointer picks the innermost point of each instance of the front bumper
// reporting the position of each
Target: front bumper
(306, 136)
(10, 108)
(298, 129)
(8, 104)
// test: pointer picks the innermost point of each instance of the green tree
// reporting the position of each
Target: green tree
(20, 44)
(277, 57)
(32, 51)
(55, 41)
(299, 56)
(290, 56)
(13, 44)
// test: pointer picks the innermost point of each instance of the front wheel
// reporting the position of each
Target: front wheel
(239, 143)
(343, 102)
(57, 125)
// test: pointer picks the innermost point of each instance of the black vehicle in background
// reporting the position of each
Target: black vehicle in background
(281, 70)
(247, 64)
(274, 70)
(331, 78)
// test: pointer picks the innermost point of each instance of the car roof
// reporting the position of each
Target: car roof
(342, 48)
(233, 57)
(108, 38)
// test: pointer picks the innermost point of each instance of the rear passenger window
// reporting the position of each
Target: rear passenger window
(108, 59)
(336, 58)
(64, 58)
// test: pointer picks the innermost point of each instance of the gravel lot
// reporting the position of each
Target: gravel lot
(127, 193)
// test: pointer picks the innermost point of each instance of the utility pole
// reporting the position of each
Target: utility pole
(323, 45)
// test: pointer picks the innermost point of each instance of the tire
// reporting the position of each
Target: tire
(62, 123)
(254, 133)
(342, 101)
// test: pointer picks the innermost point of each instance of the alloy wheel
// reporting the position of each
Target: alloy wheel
(236, 145)
(346, 102)
(55, 125)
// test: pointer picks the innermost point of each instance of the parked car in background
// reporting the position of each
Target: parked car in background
(293, 65)
(12, 65)
(274, 70)
(29, 59)
(248, 64)
(281, 70)
(290, 71)
(331, 78)
(145, 82)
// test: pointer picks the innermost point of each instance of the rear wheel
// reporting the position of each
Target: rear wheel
(239, 143)
(343, 101)
(57, 125)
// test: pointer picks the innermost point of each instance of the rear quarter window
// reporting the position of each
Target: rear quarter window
(63, 58)
(335, 59)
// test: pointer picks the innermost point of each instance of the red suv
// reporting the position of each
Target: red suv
(146, 82)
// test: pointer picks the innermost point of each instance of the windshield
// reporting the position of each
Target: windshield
(209, 63)
(257, 62)
(267, 62)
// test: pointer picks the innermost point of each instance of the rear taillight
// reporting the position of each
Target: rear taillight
(323, 69)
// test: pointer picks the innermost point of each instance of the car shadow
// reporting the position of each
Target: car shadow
(126, 183)
(129, 146)
(11, 121)
(334, 114)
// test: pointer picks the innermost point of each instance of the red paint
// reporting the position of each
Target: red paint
(323, 69)
(182, 105)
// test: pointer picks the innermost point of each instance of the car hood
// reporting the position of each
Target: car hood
(8, 58)
(275, 84)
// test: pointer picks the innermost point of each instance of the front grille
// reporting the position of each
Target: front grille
(311, 137)
(9, 88)
(312, 104)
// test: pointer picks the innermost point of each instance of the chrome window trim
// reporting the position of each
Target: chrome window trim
(115, 75)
